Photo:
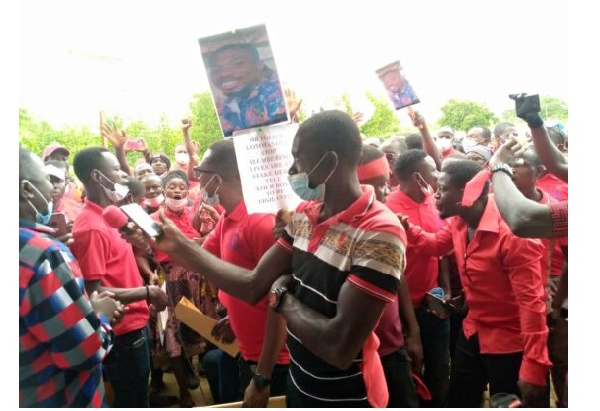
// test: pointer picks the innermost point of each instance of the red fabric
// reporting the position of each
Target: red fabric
(377, 392)
(421, 270)
(242, 239)
(389, 329)
(504, 288)
(556, 255)
(103, 255)
(421, 388)
(554, 186)
(474, 187)
(375, 168)
(560, 219)
(183, 222)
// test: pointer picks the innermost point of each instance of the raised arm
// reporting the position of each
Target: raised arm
(553, 159)
(191, 148)
(428, 144)
(524, 217)
(117, 138)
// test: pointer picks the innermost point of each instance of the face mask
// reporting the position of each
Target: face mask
(155, 202)
(444, 144)
(299, 183)
(117, 194)
(182, 158)
(467, 143)
(39, 217)
(210, 200)
(176, 205)
(426, 189)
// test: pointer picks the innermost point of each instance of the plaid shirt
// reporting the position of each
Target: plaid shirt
(61, 340)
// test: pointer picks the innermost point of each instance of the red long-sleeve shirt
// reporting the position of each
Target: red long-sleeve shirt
(504, 287)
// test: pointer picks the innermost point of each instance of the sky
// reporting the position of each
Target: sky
(142, 59)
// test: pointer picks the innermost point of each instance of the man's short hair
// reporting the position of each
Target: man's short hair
(173, 174)
(461, 172)
(86, 160)
(333, 130)
(486, 134)
(247, 47)
(414, 141)
(407, 163)
(370, 153)
(502, 127)
(222, 157)
(136, 187)
(26, 165)
(531, 156)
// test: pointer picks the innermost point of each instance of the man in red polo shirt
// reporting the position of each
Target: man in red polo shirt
(242, 239)
(417, 174)
(107, 263)
(504, 339)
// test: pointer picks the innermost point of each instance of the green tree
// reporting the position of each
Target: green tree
(206, 128)
(554, 108)
(462, 115)
(384, 122)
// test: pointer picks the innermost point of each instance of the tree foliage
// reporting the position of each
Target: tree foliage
(462, 115)
(554, 108)
(384, 121)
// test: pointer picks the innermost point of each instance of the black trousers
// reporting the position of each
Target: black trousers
(471, 371)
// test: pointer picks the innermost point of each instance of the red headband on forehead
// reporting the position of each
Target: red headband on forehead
(375, 168)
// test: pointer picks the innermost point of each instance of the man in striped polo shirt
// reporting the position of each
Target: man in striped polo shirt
(345, 253)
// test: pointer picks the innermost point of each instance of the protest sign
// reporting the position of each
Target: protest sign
(264, 156)
(398, 88)
(243, 79)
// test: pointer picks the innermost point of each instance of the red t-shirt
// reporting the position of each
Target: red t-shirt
(242, 239)
(182, 221)
(421, 269)
(504, 288)
(103, 255)
(554, 186)
(389, 329)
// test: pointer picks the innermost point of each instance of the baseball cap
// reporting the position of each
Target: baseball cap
(52, 147)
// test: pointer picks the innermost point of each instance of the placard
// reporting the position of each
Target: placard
(399, 89)
(264, 157)
(243, 79)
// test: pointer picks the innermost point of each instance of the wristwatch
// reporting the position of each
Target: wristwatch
(275, 297)
(502, 167)
(261, 381)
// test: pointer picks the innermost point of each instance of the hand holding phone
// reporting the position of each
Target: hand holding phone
(436, 306)
(58, 221)
(132, 145)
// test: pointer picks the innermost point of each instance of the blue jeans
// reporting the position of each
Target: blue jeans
(435, 338)
(127, 368)
(223, 375)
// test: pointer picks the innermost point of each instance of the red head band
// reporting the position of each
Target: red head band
(375, 168)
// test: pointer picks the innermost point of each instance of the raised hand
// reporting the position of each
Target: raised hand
(293, 103)
(357, 117)
(143, 147)
(186, 124)
(506, 153)
(116, 137)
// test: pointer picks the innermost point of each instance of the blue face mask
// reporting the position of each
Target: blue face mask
(39, 217)
(299, 183)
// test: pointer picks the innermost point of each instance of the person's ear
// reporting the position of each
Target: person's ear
(25, 190)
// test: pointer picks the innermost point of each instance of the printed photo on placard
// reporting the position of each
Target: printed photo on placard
(398, 88)
(243, 79)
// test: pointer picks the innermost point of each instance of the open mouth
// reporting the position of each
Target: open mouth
(177, 197)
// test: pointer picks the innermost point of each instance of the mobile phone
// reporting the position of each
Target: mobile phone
(526, 103)
(58, 221)
(133, 144)
(437, 305)
(137, 214)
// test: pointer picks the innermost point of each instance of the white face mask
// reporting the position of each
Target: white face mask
(444, 144)
(210, 200)
(182, 158)
(117, 194)
(176, 205)
(468, 143)
(155, 202)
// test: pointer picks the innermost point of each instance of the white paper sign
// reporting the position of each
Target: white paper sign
(264, 156)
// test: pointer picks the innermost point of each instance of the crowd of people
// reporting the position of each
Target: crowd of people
(417, 272)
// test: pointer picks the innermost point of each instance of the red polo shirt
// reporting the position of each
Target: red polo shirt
(103, 255)
(504, 288)
(421, 269)
(70, 206)
(242, 239)
(554, 186)
(183, 221)
(553, 250)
